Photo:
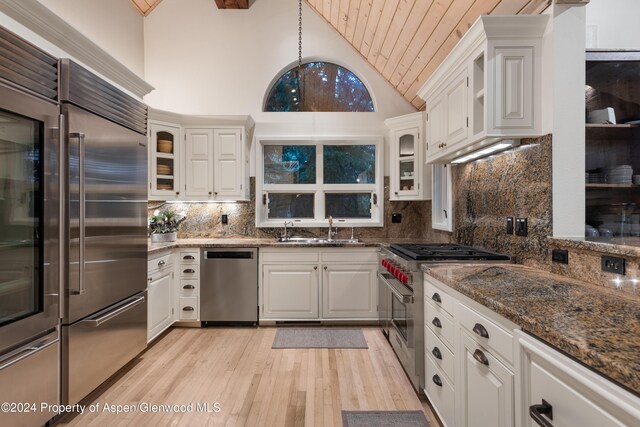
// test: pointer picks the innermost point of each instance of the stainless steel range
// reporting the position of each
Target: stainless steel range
(401, 296)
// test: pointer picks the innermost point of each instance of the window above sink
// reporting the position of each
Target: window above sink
(308, 180)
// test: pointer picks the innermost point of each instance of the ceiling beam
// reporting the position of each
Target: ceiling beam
(232, 4)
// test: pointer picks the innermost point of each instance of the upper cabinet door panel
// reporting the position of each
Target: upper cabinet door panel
(456, 104)
(228, 163)
(198, 158)
(435, 125)
(514, 88)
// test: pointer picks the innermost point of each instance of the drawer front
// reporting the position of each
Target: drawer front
(301, 255)
(498, 340)
(439, 297)
(440, 392)
(163, 263)
(189, 308)
(190, 272)
(440, 322)
(441, 355)
(189, 288)
(351, 257)
(189, 257)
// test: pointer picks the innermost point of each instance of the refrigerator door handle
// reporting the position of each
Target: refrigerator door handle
(114, 313)
(81, 217)
(24, 353)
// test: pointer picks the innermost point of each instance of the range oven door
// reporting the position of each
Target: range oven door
(402, 325)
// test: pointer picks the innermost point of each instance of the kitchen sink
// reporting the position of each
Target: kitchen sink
(315, 240)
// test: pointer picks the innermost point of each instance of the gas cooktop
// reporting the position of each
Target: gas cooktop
(444, 252)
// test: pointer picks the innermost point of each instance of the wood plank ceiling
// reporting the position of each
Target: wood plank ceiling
(232, 4)
(145, 6)
(406, 40)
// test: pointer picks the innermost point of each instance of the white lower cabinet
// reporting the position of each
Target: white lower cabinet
(560, 392)
(318, 283)
(160, 293)
(485, 387)
(290, 291)
(349, 291)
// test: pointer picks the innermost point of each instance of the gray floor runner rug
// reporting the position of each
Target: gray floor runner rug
(384, 419)
(319, 338)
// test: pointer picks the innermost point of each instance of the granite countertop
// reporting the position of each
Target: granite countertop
(597, 326)
(261, 243)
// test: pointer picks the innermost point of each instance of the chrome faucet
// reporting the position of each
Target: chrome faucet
(285, 234)
(331, 232)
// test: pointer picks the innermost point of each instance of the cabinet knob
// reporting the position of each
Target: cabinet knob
(161, 263)
(536, 412)
(480, 330)
(436, 322)
(315, 267)
(436, 353)
(215, 193)
(437, 381)
(150, 279)
(396, 193)
(177, 193)
(480, 357)
(325, 267)
(209, 192)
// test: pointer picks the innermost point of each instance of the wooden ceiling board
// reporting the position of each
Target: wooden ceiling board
(145, 6)
(397, 24)
(232, 4)
(406, 40)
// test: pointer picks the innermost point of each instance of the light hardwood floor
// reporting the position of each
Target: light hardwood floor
(254, 384)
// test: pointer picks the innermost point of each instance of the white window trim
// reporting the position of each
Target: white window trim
(377, 189)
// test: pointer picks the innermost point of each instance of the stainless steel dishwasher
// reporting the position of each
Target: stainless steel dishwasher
(229, 286)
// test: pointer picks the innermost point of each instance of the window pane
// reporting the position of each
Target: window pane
(289, 205)
(289, 164)
(323, 87)
(349, 164)
(348, 205)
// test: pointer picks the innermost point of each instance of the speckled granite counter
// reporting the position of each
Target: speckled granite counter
(261, 243)
(597, 326)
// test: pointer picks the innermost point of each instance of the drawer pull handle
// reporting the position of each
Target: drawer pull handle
(437, 381)
(537, 411)
(436, 353)
(189, 271)
(189, 257)
(480, 357)
(161, 263)
(188, 308)
(188, 287)
(436, 322)
(436, 298)
(480, 330)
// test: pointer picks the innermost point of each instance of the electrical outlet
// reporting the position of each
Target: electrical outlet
(612, 264)
(396, 218)
(521, 227)
(225, 219)
(509, 225)
(560, 256)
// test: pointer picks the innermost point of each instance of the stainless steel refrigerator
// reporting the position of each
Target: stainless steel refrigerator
(104, 321)
(29, 231)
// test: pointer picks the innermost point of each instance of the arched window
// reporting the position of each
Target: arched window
(322, 86)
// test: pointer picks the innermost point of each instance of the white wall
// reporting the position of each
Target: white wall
(613, 24)
(114, 25)
(202, 60)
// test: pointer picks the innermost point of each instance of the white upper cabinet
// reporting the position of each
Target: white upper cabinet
(206, 162)
(164, 161)
(487, 89)
(228, 164)
(409, 178)
(199, 162)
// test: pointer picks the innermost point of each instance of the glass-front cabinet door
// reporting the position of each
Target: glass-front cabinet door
(405, 173)
(164, 168)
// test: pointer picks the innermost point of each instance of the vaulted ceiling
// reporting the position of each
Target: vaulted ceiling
(406, 40)
(145, 6)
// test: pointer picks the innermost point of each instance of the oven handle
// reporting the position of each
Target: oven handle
(404, 297)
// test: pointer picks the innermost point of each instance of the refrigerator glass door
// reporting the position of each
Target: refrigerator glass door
(107, 205)
(29, 226)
